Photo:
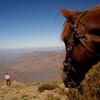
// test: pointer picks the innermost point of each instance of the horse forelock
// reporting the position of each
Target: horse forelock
(66, 30)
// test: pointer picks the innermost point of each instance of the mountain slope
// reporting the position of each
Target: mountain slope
(36, 66)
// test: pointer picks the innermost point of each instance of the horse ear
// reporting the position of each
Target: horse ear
(69, 13)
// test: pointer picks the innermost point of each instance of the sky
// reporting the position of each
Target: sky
(35, 23)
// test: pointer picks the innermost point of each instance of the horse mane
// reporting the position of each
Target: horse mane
(94, 7)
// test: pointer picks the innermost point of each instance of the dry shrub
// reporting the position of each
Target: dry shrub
(47, 86)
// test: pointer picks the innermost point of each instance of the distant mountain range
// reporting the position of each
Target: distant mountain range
(32, 65)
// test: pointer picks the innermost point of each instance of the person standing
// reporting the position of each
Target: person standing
(7, 77)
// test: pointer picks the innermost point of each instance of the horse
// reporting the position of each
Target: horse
(81, 36)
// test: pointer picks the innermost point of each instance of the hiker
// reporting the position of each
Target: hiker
(7, 77)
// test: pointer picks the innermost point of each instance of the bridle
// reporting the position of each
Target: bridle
(76, 38)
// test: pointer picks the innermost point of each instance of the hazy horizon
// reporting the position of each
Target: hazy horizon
(36, 48)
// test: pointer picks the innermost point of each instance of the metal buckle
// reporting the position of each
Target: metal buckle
(65, 64)
(69, 47)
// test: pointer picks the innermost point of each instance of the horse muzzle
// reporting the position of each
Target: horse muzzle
(69, 76)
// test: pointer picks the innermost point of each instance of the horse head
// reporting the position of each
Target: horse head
(81, 35)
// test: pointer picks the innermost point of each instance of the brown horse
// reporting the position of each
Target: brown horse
(81, 36)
